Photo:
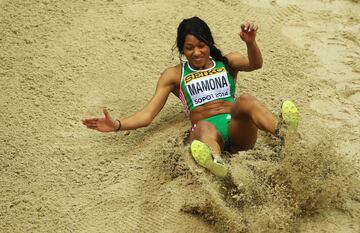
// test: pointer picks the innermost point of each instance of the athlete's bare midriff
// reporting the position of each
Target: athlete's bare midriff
(210, 109)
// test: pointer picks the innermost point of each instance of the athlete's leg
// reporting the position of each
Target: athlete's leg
(206, 147)
(247, 116)
(207, 133)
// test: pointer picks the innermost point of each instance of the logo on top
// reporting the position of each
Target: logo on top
(188, 78)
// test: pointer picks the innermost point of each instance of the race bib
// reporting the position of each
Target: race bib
(207, 86)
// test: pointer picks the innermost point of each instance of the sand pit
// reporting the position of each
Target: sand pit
(61, 61)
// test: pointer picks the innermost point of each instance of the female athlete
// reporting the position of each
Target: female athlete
(205, 83)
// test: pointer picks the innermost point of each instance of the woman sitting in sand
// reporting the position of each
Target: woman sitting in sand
(205, 84)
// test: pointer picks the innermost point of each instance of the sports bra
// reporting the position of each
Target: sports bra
(198, 87)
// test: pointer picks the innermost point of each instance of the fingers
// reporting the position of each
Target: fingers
(106, 113)
(248, 27)
(91, 126)
(242, 26)
(99, 123)
(90, 121)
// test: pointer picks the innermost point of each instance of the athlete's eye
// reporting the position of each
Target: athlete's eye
(202, 45)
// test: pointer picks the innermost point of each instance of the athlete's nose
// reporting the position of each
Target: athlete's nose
(197, 51)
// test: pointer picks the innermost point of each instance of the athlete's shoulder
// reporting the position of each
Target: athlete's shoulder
(171, 74)
(173, 71)
(233, 56)
(236, 60)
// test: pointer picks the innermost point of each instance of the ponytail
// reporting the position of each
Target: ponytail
(216, 54)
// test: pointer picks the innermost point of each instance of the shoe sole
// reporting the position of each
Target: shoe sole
(290, 115)
(202, 155)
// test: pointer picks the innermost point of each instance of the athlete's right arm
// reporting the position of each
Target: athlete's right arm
(167, 83)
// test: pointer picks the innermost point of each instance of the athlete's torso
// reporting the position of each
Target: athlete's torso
(207, 92)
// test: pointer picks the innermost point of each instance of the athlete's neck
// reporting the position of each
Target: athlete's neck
(209, 63)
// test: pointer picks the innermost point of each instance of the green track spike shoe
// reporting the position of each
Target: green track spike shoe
(290, 116)
(203, 156)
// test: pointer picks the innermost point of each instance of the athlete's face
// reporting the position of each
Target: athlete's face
(197, 52)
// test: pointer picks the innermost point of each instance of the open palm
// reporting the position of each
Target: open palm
(102, 124)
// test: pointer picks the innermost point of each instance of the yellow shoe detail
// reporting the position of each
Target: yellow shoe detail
(290, 115)
(202, 155)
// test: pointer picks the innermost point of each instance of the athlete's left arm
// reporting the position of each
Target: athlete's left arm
(253, 60)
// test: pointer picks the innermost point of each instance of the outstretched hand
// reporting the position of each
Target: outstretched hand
(248, 32)
(102, 124)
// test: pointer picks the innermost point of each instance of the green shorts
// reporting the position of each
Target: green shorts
(221, 123)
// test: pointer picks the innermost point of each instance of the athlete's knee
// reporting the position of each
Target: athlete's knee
(246, 98)
(204, 129)
(244, 104)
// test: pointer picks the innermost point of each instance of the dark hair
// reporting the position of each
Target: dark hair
(198, 28)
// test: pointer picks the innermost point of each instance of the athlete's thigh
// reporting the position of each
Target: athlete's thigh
(207, 133)
(243, 134)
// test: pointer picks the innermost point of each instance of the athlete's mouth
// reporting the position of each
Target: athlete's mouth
(199, 59)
